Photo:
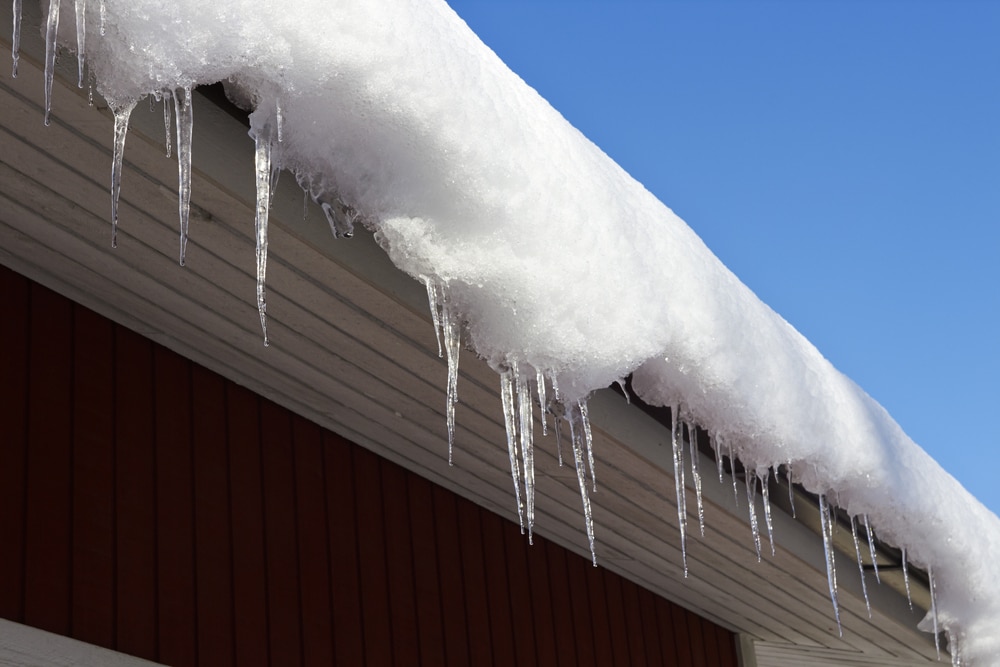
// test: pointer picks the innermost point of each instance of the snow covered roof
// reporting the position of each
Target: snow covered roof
(511, 219)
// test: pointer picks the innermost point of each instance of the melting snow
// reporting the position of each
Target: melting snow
(539, 251)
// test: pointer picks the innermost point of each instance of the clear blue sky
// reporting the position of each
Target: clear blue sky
(842, 158)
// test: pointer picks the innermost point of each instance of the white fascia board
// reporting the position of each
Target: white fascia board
(24, 646)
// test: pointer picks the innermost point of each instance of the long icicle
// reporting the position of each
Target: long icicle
(184, 113)
(262, 170)
(831, 565)
(51, 34)
(861, 565)
(934, 615)
(791, 487)
(732, 471)
(588, 440)
(678, 455)
(751, 482)
(166, 122)
(122, 115)
(696, 474)
(507, 398)
(452, 333)
(432, 304)
(556, 416)
(526, 427)
(871, 547)
(576, 437)
(906, 577)
(718, 456)
(765, 492)
(542, 402)
(15, 47)
(81, 35)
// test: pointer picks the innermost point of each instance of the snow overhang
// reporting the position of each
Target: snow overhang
(353, 348)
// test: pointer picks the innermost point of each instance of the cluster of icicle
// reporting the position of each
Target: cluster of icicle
(521, 386)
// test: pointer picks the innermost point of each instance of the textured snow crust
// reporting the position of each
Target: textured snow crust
(553, 256)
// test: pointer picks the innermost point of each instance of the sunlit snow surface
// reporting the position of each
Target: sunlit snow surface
(557, 264)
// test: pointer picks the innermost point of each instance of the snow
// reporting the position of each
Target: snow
(559, 266)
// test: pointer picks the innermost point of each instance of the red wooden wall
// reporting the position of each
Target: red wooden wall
(151, 506)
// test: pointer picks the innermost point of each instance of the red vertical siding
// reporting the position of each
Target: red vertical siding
(151, 506)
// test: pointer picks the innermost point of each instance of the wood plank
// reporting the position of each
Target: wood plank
(14, 374)
(580, 611)
(135, 489)
(430, 615)
(372, 555)
(48, 514)
(520, 595)
(249, 569)
(603, 650)
(542, 605)
(616, 617)
(477, 606)
(498, 585)
(633, 623)
(559, 585)
(213, 547)
(94, 520)
(314, 561)
(280, 539)
(343, 544)
(176, 595)
(399, 564)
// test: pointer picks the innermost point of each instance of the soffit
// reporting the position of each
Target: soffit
(353, 349)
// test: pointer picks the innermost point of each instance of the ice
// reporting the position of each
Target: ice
(51, 34)
(861, 565)
(122, 115)
(452, 333)
(718, 457)
(166, 122)
(81, 36)
(588, 439)
(826, 521)
(577, 438)
(432, 304)
(678, 456)
(184, 114)
(15, 48)
(871, 547)
(526, 427)
(765, 493)
(933, 612)
(732, 469)
(262, 171)
(791, 487)
(543, 404)
(751, 482)
(510, 423)
(696, 475)
(906, 577)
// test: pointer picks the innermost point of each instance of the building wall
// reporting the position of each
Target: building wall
(151, 506)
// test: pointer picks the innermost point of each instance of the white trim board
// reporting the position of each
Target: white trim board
(24, 646)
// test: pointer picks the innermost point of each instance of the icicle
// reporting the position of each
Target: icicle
(452, 344)
(718, 456)
(90, 93)
(305, 204)
(588, 440)
(279, 120)
(507, 397)
(906, 578)
(871, 548)
(766, 497)
(51, 34)
(122, 115)
(526, 427)
(934, 616)
(861, 565)
(732, 466)
(104, 18)
(576, 438)
(81, 35)
(15, 49)
(432, 303)
(678, 454)
(696, 475)
(791, 487)
(185, 125)
(262, 168)
(166, 122)
(555, 417)
(540, 388)
(831, 565)
(751, 481)
(621, 385)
